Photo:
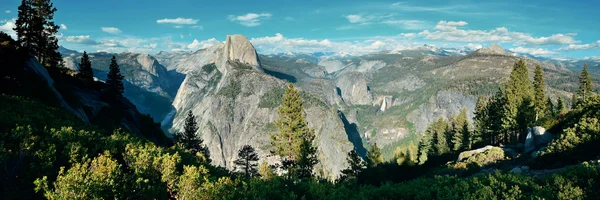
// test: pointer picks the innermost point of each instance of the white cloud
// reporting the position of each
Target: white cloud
(177, 26)
(250, 19)
(195, 45)
(81, 39)
(7, 27)
(594, 58)
(407, 24)
(474, 46)
(111, 30)
(288, 18)
(181, 35)
(198, 27)
(63, 26)
(451, 31)
(281, 44)
(178, 20)
(533, 51)
(581, 46)
(7, 11)
(354, 18)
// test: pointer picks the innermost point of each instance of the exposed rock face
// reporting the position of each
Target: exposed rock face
(444, 104)
(238, 48)
(332, 65)
(494, 49)
(225, 90)
(354, 90)
(37, 68)
(536, 137)
(148, 84)
(466, 154)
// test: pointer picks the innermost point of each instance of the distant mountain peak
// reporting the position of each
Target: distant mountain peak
(238, 48)
(493, 49)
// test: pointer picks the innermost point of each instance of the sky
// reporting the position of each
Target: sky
(549, 28)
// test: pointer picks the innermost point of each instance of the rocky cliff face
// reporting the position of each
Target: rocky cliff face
(148, 84)
(228, 91)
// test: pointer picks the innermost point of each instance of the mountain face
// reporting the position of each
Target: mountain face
(351, 101)
(148, 84)
(389, 95)
(236, 104)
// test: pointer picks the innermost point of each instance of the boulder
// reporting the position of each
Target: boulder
(529, 141)
(510, 152)
(541, 136)
(516, 170)
(466, 154)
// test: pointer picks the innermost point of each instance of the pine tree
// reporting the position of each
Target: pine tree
(460, 141)
(562, 108)
(586, 87)
(540, 93)
(439, 141)
(36, 30)
(481, 121)
(374, 156)
(115, 79)
(499, 119)
(85, 69)
(247, 161)
(355, 166)
(266, 171)
(307, 159)
(519, 96)
(413, 153)
(550, 108)
(189, 139)
(424, 148)
(295, 138)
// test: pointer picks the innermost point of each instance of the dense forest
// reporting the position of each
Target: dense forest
(48, 152)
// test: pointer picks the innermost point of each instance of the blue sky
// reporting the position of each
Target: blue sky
(545, 28)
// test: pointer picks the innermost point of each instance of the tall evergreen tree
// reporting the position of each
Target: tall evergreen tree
(424, 148)
(36, 30)
(550, 108)
(295, 138)
(481, 122)
(374, 156)
(457, 132)
(439, 140)
(85, 68)
(355, 166)
(519, 95)
(562, 108)
(189, 139)
(539, 93)
(115, 79)
(586, 87)
(247, 161)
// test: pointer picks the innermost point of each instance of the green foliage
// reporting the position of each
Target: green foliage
(272, 98)
(36, 31)
(295, 138)
(189, 139)
(485, 158)
(374, 156)
(539, 101)
(355, 166)
(85, 69)
(209, 68)
(114, 79)
(247, 161)
(232, 90)
(586, 87)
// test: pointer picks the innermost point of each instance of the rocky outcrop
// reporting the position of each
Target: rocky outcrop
(227, 91)
(466, 154)
(238, 48)
(493, 49)
(34, 66)
(443, 104)
(353, 89)
(537, 136)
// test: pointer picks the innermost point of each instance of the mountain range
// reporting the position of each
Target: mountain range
(352, 101)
